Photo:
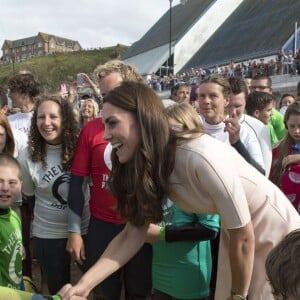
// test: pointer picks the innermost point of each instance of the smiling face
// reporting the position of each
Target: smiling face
(10, 185)
(212, 102)
(122, 131)
(49, 122)
(293, 127)
(264, 115)
(87, 109)
(287, 100)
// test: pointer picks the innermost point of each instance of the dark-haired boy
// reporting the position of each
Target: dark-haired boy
(260, 105)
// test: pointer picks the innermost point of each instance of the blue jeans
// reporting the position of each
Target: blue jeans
(136, 274)
(54, 261)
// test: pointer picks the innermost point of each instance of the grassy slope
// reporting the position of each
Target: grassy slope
(52, 70)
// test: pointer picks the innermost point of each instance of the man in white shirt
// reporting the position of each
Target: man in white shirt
(237, 106)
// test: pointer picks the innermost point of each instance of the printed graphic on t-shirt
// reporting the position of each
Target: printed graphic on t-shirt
(59, 180)
(12, 250)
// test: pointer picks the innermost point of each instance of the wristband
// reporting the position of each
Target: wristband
(162, 233)
(238, 297)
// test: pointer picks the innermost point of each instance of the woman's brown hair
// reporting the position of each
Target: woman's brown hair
(141, 184)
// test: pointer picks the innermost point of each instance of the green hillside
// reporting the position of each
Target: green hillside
(52, 70)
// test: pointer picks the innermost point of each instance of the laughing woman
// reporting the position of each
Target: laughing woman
(201, 175)
(45, 168)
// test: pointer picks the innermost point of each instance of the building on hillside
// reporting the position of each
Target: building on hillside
(39, 45)
(209, 32)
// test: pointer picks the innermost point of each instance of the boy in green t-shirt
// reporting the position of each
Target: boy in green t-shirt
(10, 224)
(260, 106)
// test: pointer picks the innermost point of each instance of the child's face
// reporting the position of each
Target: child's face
(287, 100)
(293, 126)
(10, 185)
(265, 114)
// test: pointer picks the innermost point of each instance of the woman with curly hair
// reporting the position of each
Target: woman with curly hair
(45, 168)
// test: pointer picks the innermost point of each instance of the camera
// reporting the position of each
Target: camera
(80, 80)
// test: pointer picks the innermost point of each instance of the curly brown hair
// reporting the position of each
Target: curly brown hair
(24, 84)
(37, 145)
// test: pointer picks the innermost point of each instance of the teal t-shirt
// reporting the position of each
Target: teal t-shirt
(10, 250)
(183, 269)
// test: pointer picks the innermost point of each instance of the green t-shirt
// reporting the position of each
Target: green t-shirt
(10, 250)
(183, 269)
(276, 127)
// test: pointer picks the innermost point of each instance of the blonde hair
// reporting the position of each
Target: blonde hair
(187, 116)
(95, 112)
(127, 71)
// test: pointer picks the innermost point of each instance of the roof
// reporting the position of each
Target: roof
(255, 29)
(23, 42)
(59, 40)
(183, 17)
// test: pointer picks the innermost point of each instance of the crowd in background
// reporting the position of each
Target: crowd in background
(281, 64)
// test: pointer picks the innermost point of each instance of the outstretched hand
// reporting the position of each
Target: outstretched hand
(69, 292)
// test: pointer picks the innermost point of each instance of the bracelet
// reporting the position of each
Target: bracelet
(238, 297)
(162, 233)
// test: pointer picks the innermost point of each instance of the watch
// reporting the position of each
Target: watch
(238, 297)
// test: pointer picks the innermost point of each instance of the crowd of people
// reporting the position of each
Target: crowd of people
(191, 197)
(281, 64)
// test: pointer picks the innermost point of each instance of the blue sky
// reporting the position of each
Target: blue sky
(94, 23)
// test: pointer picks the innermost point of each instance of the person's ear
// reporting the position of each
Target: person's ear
(4, 109)
(256, 113)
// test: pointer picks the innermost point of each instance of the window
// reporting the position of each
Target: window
(40, 44)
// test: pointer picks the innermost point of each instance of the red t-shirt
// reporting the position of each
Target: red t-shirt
(92, 158)
(290, 181)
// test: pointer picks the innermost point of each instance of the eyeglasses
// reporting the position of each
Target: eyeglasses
(259, 87)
